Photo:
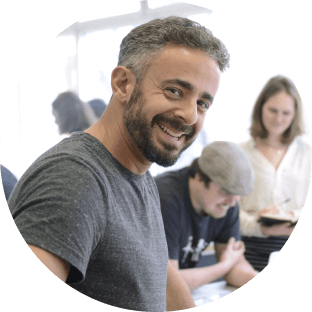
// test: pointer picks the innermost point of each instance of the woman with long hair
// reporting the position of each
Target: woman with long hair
(280, 154)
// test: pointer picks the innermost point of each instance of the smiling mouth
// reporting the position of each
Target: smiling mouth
(170, 132)
(223, 207)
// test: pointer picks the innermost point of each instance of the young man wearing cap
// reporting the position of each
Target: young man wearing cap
(199, 206)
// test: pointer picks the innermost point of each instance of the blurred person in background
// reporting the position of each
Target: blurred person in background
(8, 180)
(280, 154)
(72, 114)
(199, 206)
(98, 106)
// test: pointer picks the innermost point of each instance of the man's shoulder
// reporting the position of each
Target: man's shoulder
(172, 177)
(78, 150)
(78, 143)
(69, 160)
(172, 188)
(172, 183)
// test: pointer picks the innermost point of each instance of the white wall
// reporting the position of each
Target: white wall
(85, 66)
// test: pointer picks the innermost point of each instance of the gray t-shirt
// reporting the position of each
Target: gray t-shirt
(78, 202)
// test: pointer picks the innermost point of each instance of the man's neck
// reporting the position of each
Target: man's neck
(111, 132)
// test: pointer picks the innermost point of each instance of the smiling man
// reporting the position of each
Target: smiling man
(165, 118)
(199, 206)
(89, 208)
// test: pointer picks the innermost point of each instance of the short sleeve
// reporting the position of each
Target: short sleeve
(57, 206)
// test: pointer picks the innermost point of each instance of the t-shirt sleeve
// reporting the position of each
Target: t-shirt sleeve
(230, 226)
(169, 208)
(56, 206)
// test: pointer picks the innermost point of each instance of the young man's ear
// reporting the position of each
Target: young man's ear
(122, 82)
(197, 177)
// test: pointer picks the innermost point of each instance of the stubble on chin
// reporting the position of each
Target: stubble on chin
(141, 132)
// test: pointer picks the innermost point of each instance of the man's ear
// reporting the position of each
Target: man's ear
(196, 177)
(122, 82)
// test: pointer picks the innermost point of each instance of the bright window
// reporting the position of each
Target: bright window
(29, 128)
(83, 60)
(98, 55)
(114, 10)
(154, 4)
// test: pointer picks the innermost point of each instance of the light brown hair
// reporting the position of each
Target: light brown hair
(276, 85)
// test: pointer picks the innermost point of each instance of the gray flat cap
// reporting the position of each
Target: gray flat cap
(226, 164)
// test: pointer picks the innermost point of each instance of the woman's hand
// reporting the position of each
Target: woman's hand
(272, 209)
(283, 229)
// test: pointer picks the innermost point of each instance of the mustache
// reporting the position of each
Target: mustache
(175, 124)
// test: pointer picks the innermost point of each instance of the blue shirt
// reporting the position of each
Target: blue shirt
(9, 181)
(187, 232)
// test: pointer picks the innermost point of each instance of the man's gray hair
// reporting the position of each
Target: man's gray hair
(145, 42)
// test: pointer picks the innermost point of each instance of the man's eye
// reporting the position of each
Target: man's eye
(203, 104)
(174, 91)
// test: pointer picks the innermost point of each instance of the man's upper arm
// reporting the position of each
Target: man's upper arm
(56, 208)
(55, 264)
(178, 295)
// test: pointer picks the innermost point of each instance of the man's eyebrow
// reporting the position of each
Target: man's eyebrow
(185, 84)
(188, 86)
(208, 97)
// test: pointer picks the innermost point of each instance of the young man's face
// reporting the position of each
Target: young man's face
(214, 201)
(167, 110)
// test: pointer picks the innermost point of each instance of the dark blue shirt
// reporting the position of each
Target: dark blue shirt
(187, 232)
(8, 180)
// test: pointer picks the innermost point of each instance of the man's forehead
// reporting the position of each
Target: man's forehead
(193, 67)
(177, 52)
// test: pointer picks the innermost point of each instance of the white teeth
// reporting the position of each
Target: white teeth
(174, 135)
(224, 206)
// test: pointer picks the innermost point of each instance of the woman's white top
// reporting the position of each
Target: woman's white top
(290, 180)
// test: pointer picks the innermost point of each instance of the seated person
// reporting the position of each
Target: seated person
(9, 181)
(280, 153)
(199, 206)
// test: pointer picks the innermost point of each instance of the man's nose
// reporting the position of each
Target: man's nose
(188, 112)
(232, 199)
